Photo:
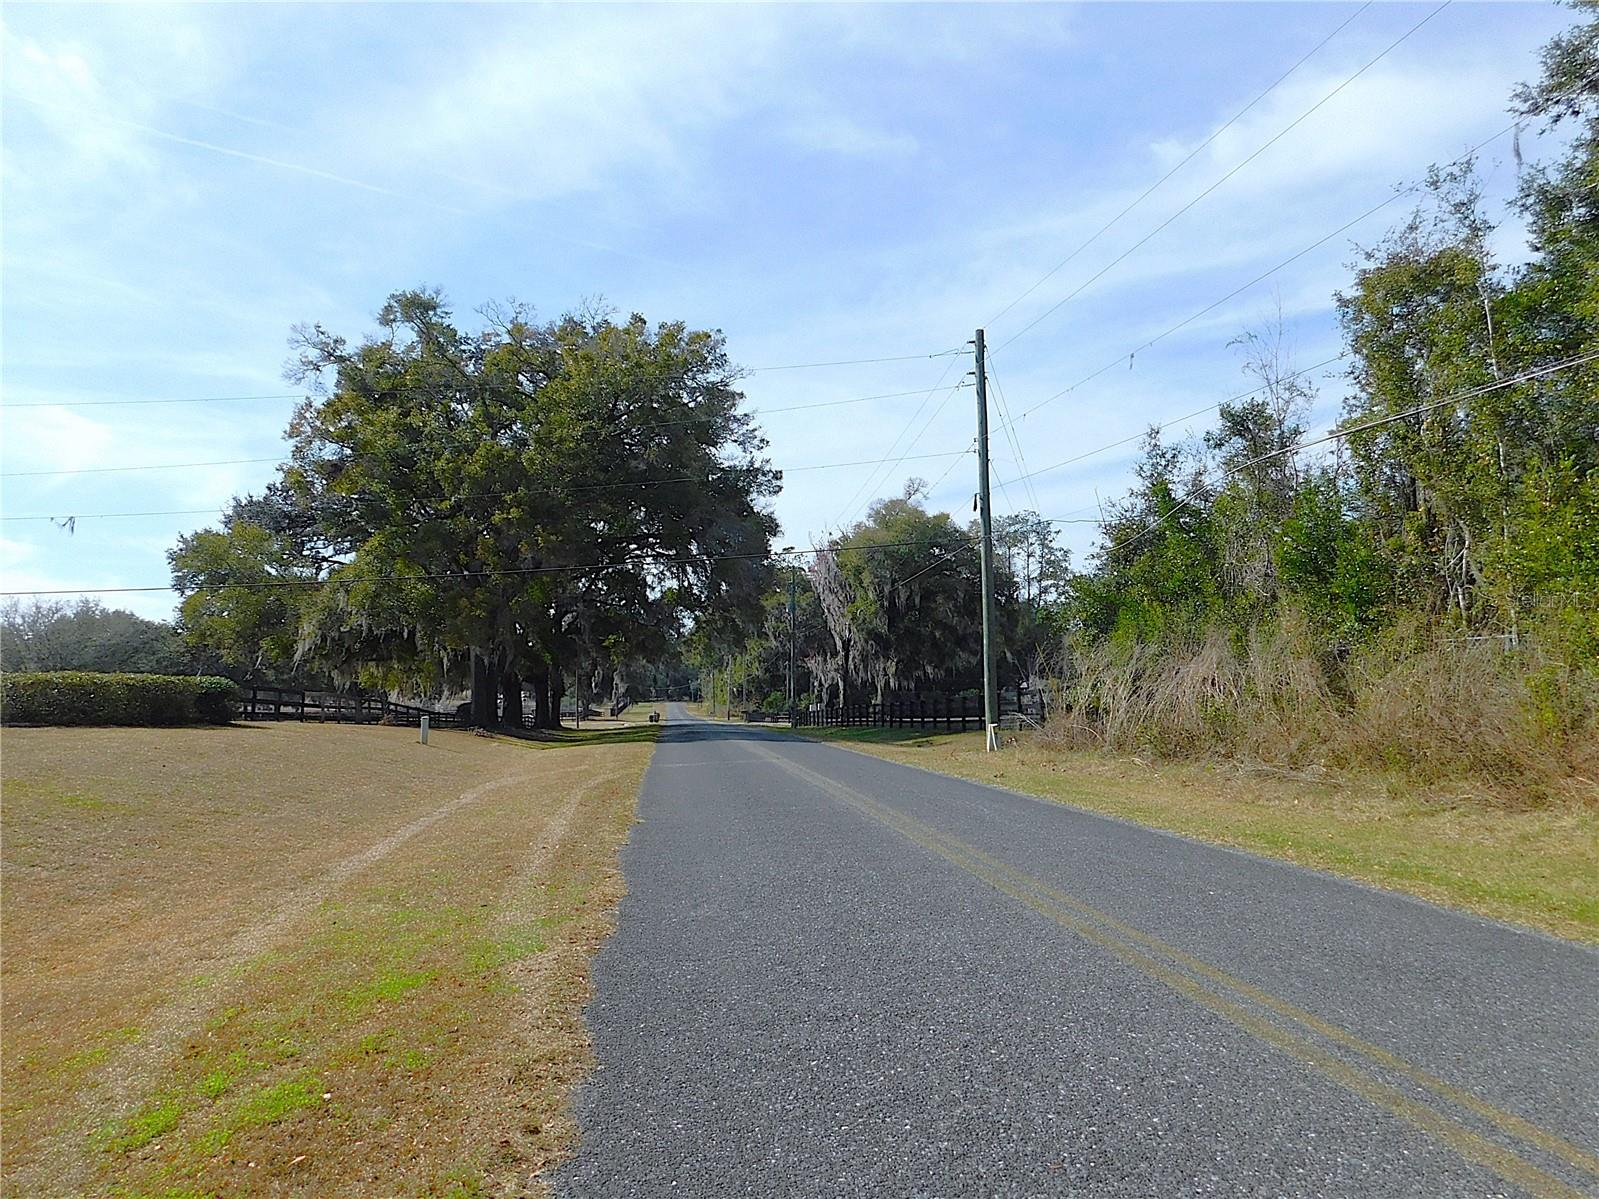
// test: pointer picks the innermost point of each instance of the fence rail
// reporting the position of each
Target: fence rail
(273, 703)
(952, 714)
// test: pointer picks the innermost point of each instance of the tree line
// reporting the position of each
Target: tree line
(1421, 588)
(580, 504)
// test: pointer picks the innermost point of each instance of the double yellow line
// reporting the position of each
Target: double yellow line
(1241, 1003)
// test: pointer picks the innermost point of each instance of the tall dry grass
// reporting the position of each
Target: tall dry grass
(1517, 726)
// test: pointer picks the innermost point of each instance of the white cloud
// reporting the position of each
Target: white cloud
(837, 133)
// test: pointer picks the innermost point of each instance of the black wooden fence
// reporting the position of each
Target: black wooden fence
(952, 714)
(947, 713)
(273, 703)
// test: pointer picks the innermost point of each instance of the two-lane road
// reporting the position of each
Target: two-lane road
(834, 975)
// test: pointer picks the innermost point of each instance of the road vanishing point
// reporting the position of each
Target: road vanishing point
(838, 976)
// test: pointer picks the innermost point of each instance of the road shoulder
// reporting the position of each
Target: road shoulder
(1536, 869)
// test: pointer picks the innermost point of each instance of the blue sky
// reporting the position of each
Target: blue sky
(181, 185)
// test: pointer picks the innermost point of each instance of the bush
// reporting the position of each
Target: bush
(74, 697)
(1519, 726)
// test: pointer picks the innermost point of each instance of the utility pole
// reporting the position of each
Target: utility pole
(986, 517)
(793, 696)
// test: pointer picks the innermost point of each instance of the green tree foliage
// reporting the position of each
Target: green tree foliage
(899, 592)
(51, 636)
(1423, 594)
(523, 502)
(1459, 494)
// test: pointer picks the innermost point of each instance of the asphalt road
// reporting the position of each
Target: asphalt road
(837, 976)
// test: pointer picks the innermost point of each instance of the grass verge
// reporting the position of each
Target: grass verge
(301, 959)
(1536, 867)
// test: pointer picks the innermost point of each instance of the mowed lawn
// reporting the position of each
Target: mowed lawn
(1538, 867)
(300, 959)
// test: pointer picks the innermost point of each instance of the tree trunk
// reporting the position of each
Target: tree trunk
(541, 699)
(511, 708)
(485, 692)
(557, 686)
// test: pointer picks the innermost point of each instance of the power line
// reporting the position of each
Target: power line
(1128, 355)
(849, 506)
(907, 456)
(1007, 425)
(103, 470)
(1292, 258)
(948, 469)
(1240, 166)
(7, 405)
(888, 395)
(696, 420)
(1191, 155)
(243, 461)
(1339, 434)
(802, 366)
(1243, 395)
(510, 572)
(489, 495)
(938, 561)
(645, 560)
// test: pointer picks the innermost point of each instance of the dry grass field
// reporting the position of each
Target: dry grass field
(291, 959)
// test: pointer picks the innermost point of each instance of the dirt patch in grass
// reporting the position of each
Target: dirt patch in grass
(1537, 867)
(300, 959)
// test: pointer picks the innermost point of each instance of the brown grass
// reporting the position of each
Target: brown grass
(300, 959)
(1465, 717)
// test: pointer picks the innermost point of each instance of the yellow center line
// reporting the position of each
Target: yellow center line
(1122, 940)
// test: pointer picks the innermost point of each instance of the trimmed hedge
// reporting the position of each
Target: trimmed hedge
(64, 697)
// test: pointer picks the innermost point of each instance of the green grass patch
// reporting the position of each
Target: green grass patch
(263, 1106)
(513, 946)
(144, 1126)
(385, 988)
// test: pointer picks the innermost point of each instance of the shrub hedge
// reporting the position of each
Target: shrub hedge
(78, 697)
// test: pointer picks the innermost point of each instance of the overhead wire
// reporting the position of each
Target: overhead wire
(508, 572)
(938, 561)
(1243, 395)
(118, 403)
(1273, 140)
(1188, 158)
(689, 560)
(871, 479)
(800, 366)
(1008, 427)
(7, 405)
(1131, 353)
(482, 495)
(938, 482)
(1349, 430)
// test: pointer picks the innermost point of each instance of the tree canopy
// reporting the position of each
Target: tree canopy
(506, 504)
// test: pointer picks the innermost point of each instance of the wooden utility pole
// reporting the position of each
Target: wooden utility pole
(793, 696)
(986, 518)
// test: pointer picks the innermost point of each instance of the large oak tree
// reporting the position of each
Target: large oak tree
(506, 505)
